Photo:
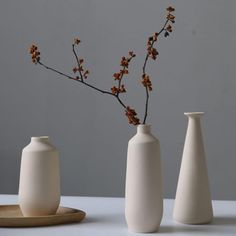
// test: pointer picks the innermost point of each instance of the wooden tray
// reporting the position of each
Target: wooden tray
(11, 216)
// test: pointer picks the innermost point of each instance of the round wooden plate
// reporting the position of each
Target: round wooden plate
(11, 216)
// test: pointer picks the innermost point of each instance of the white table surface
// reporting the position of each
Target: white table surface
(105, 217)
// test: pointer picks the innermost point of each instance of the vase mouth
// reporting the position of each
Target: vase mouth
(40, 138)
(144, 128)
(194, 114)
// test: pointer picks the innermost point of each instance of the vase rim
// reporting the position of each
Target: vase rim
(144, 125)
(45, 137)
(144, 128)
(194, 114)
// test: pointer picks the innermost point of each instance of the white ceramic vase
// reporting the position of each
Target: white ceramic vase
(39, 187)
(143, 193)
(193, 199)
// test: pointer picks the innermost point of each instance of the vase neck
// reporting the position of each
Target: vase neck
(144, 129)
(40, 139)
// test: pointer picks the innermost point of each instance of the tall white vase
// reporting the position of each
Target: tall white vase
(193, 199)
(143, 193)
(39, 187)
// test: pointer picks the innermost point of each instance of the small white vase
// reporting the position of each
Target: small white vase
(39, 187)
(143, 193)
(193, 199)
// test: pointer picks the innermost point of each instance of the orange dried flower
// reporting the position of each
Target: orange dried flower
(86, 73)
(77, 41)
(124, 62)
(132, 116)
(124, 72)
(122, 89)
(114, 90)
(169, 28)
(170, 17)
(34, 52)
(153, 53)
(170, 9)
(146, 82)
(155, 35)
(75, 69)
(117, 76)
(131, 53)
(80, 68)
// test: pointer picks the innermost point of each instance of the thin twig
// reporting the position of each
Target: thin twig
(77, 60)
(144, 72)
(83, 82)
(119, 84)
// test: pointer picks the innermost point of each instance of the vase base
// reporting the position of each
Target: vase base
(143, 231)
(197, 222)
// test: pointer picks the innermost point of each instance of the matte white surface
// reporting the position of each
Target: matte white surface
(105, 216)
(39, 185)
(193, 198)
(143, 190)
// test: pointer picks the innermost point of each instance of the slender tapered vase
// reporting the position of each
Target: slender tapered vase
(143, 194)
(193, 199)
(39, 187)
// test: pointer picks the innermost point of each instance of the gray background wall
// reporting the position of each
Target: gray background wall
(195, 72)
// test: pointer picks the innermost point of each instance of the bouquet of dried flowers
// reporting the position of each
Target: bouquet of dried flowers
(81, 74)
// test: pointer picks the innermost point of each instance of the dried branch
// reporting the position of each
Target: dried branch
(115, 91)
(153, 53)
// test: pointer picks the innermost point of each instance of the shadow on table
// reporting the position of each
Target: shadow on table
(205, 228)
(218, 220)
(184, 229)
(111, 219)
(224, 220)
